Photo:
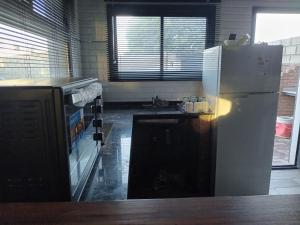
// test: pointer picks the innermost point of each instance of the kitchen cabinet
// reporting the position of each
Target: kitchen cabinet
(170, 156)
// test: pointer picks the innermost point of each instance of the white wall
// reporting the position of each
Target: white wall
(144, 91)
(236, 17)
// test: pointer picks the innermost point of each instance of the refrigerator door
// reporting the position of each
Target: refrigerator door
(254, 68)
(211, 72)
(244, 145)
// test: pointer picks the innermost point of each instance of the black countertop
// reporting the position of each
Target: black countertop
(167, 113)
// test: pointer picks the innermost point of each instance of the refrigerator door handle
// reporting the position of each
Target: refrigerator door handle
(240, 96)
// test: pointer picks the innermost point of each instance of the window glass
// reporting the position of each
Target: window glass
(20, 49)
(138, 43)
(184, 43)
(158, 48)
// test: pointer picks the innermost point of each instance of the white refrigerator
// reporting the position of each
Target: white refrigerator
(242, 87)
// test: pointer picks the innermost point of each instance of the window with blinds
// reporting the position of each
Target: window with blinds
(159, 42)
(35, 39)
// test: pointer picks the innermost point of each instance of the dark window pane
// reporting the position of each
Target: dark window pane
(50, 9)
(39, 7)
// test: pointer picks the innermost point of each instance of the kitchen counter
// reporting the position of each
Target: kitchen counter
(170, 155)
(160, 113)
(262, 210)
(113, 184)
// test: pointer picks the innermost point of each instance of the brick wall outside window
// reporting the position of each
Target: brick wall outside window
(289, 75)
(289, 79)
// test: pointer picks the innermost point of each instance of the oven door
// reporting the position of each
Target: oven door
(84, 141)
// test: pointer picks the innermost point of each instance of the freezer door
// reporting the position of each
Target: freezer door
(251, 69)
(245, 139)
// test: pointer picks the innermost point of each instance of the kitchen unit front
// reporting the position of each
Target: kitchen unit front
(170, 156)
(50, 137)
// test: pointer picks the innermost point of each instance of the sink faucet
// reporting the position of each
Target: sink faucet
(155, 101)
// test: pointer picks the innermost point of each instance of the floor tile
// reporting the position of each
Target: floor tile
(281, 151)
(288, 191)
(285, 182)
(109, 178)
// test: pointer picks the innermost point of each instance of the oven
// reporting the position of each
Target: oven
(50, 138)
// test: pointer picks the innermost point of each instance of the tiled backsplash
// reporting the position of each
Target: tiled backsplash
(144, 91)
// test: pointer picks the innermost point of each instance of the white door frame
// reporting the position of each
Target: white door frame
(296, 127)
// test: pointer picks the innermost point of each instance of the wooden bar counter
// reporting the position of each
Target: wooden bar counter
(262, 210)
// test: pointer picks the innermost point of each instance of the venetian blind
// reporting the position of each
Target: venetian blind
(164, 42)
(35, 38)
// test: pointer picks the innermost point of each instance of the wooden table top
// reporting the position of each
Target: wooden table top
(262, 210)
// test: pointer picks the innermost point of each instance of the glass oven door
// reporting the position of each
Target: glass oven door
(84, 142)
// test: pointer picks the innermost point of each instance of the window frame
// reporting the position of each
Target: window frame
(256, 10)
(114, 10)
(295, 10)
